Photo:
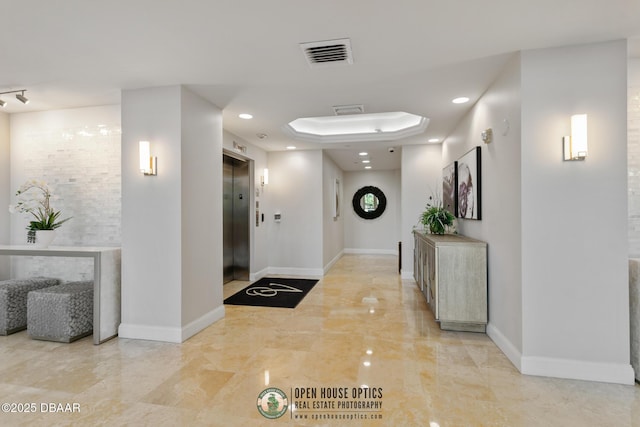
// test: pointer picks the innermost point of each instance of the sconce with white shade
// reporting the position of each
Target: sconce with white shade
(148, 164)
(575, 146)
(264, 179)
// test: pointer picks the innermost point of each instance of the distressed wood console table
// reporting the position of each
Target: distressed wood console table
(106, 281)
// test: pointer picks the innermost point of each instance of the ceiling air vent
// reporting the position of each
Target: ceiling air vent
(328, 52)
(342, 110)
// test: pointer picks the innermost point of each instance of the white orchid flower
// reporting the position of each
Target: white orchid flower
(37, 204)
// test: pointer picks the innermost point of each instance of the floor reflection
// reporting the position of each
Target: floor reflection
(360, 327)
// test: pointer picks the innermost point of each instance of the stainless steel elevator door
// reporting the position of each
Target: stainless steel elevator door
(236, 198)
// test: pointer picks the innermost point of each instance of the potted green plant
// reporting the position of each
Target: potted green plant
(34, 197)
(435, 217)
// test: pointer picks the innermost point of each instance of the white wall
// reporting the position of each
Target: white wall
(295, 191)
(558, 287)
(151, 215)
(421, 174)
(157, 293)
(500, 225)
(5, 191)
(77, 152)
(201, 208)
(258, 236)
(378, 235)
(333, 227)
(574, 215)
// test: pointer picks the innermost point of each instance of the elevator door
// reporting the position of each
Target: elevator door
(236, 219)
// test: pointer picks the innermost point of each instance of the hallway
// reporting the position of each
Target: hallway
(332, 339)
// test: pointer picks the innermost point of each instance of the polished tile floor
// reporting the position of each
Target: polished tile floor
(361, 326)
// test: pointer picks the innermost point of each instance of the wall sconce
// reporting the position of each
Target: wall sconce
(575, 146)
(148, 164)
(264, 179)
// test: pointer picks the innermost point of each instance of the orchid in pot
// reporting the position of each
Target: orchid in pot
(34, 197)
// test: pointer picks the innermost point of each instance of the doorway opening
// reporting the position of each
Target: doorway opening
(235, 223)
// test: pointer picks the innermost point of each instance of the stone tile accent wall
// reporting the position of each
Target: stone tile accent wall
(633, 159)
(82, 168)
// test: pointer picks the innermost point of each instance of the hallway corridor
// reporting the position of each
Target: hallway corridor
(427, 377)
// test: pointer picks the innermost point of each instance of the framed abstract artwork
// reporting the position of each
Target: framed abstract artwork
(469, 184)
(450, 188)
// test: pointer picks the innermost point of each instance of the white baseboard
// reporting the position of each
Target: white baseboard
(406, 275)
(202, 322)
(258, 275)
(150, 333)
(513, 354)
(618, 373)
(332, 262)
(168, 334)
(370, 251)
(301, 272)
(317, 272)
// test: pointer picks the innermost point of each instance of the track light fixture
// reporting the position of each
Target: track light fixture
(19, 95)
(22, 98)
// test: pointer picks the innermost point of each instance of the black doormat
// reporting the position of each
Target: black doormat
(273, 292)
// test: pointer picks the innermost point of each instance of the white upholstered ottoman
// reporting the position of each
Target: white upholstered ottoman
(62, 313)
(13, 301)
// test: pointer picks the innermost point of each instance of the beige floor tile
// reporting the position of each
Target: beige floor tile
(333, 339)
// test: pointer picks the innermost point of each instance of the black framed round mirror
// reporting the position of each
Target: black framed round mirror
(369, 202)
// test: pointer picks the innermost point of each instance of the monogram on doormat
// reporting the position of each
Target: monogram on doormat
(273, 292)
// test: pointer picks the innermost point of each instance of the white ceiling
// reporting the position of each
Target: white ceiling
(244, 55)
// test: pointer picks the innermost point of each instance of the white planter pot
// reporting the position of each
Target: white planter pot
(43, 238)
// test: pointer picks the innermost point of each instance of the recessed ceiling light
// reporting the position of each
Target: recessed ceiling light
(291, 147)
(433, 140)
(262, 135)
(364, 153)
(366, 161)
(367, 167)
(245, 116)
(460, 100)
